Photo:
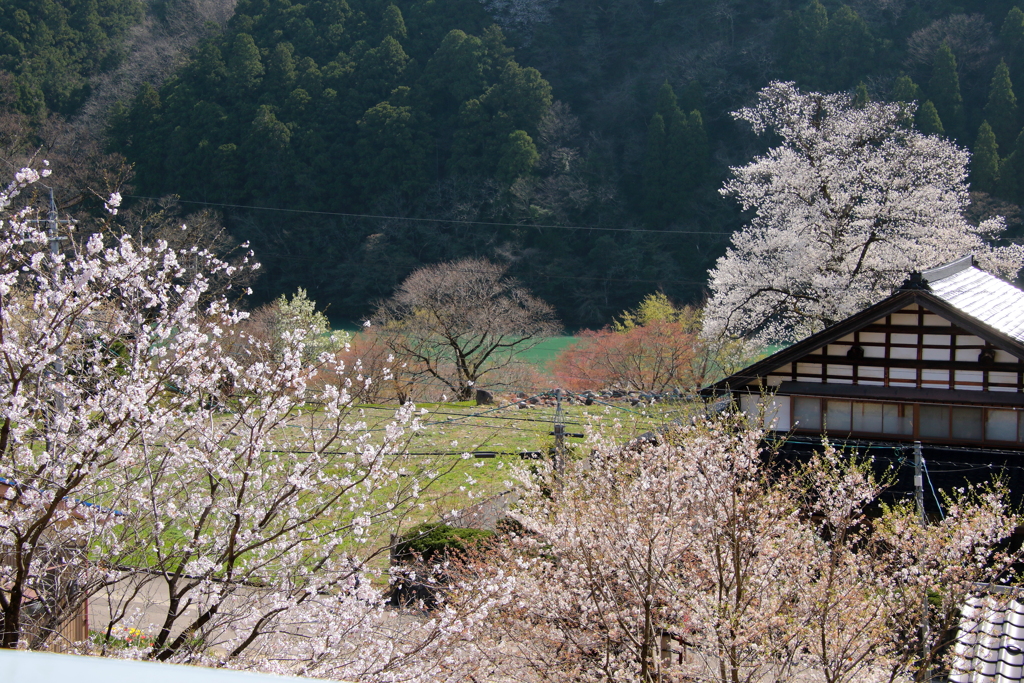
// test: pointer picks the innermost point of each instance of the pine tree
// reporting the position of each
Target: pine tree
(654, 170)
(860, 95)
(393, 24)
(985, 161)
(700, 149)
(928, 121)
(667, 105)
(281, 74)
(692, 97)
(1010, 185)
(1001, 110)
(905, 90)
(944, 89)
(801, 41)
(676, 159)
(808, 60)
(849, 46)
(245, 69)
(518, 157)
(1012, 33)
(392, 149)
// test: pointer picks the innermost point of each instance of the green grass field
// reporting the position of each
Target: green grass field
(545, 352)
(482, 444)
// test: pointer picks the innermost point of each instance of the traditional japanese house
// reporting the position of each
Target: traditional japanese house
(940, 361)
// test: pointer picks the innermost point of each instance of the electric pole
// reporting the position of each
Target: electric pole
(56, 369)
(54, 238)
(923, 518)
(559, 432)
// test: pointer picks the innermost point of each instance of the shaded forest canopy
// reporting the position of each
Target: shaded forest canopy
(53, 47)
(469, 124)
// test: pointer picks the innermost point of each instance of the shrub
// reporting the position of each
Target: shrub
(435, 541)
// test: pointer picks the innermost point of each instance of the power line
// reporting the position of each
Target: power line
(897, 447)
(476, 415)
(440, 220)
(457, 221)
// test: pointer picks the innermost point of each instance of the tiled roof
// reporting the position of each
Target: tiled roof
(990, 646)
(980, 295)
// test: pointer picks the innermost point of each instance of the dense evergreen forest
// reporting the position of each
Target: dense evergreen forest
(581, 141)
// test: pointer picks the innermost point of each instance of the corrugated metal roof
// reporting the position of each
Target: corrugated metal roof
(980, 295)
(990, 645)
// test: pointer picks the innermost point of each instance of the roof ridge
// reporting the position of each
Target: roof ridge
(948, 269)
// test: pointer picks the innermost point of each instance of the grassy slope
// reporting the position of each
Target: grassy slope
(545, 352)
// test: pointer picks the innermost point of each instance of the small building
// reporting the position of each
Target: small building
(940, 361)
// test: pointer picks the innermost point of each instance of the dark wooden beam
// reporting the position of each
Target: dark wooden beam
(903, 394)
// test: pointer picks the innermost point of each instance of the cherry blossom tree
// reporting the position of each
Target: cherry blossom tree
(850, 202)
(936, 567)
(707, 557)
(205, 500)
(643, 552)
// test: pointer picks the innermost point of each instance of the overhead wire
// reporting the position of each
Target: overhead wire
(455, 221)
(935, 495)
(897, 447)
(475, 415)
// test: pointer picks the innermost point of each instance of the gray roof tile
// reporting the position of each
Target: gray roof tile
(984, 297)
(989, 647)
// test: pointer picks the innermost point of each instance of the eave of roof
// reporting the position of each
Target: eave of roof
(897, 301)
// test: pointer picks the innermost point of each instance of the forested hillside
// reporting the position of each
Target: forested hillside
(582, 142)
(52, 48)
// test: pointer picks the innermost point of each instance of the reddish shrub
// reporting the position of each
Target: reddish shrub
(657, 356)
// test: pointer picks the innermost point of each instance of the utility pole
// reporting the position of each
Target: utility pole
(923, 518)
(559, 432)
(54, 238)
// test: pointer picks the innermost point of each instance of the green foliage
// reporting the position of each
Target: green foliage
(290, 90)
(1001, 110)
(393, 24)
(1012, 32)
(245, 69)
(518, 157)
(801, 42)
(392, 149)
(419, 109)
(944, 90)
(927, 119)
(985, 161)
(53, 47)
(676, 160)
(434, 540)
(860, 95)
(517, 102)
(1010, 184)
(849, 46)
(299, 313)
(1012, 35)
(905, 90)
(823, 52)
(656, 307)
